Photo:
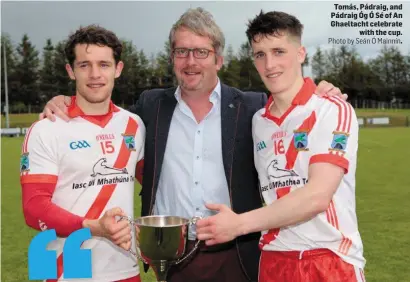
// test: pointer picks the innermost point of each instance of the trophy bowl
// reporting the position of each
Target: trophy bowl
(161, 241)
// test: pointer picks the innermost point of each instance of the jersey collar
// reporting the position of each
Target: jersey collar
(100, 120)
(303, 96)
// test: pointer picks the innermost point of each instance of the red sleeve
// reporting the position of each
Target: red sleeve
(39, 210)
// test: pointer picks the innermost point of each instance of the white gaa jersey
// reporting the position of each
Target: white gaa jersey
(313, 130)
(93, 165)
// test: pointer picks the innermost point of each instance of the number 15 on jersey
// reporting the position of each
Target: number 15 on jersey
(107, 147)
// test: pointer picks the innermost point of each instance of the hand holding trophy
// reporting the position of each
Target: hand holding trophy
(161, 241)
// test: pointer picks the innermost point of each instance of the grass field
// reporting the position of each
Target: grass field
(383, 193)
(24, 120)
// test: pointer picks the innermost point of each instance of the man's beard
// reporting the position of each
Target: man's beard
(187, 86)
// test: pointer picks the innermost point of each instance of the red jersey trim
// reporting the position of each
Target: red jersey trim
(344, 119)
(38, 178)
(24, 149)
(332, 159)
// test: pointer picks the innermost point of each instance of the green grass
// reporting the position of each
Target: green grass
(377, 112)
(383, 182)
(19, 120)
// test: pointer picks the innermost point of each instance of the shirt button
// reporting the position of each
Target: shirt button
(197, 157)
(196, 182)
(199, 131)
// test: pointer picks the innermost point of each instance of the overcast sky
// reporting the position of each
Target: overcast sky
(147, 24)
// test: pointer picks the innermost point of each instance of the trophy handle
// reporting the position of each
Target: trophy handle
(136, 254)
(192, 221)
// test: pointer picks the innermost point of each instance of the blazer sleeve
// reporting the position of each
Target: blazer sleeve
(138, 107)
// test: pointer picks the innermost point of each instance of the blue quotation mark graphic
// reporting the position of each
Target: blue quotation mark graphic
(42, 263)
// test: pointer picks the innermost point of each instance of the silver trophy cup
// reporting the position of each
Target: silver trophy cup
(162, 241)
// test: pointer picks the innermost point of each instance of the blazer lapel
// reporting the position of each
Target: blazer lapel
(230, 107)
(165, 110)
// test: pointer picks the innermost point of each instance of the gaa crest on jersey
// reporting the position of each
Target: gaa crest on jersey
(24, 163)
(260, 146)
(129, 141)
(339, 141)
(300, 140)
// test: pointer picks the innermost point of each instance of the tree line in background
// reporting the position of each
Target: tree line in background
(33, 80)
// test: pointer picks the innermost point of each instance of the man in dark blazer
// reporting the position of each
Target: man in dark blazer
(156, 108)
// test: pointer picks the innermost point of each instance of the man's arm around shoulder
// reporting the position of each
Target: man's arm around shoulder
(258, 98)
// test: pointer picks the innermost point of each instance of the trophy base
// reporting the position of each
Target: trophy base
(160, 267)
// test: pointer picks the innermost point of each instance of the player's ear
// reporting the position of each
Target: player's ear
(118, 69)
(70, 71)
(301, 54)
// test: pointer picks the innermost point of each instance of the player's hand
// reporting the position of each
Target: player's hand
(58, 106)
(137, 234)
(220, 228)
(327, 89)
(119, 232)
(127, 245)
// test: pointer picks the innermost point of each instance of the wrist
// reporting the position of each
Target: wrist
(243, 226)
(94, 226)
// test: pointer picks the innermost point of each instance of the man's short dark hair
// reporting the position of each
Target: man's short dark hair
(96, 35)
(274, 24)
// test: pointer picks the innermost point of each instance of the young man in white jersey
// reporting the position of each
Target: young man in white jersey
(81, 174)
(305, 154)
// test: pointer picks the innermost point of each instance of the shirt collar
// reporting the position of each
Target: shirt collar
(75, 111)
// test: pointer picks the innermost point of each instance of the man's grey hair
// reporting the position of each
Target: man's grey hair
(202, 23)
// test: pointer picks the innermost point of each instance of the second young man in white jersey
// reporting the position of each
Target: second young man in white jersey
(81, 174)
(305, 154)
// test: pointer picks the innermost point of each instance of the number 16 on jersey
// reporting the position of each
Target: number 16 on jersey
(278, 147)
